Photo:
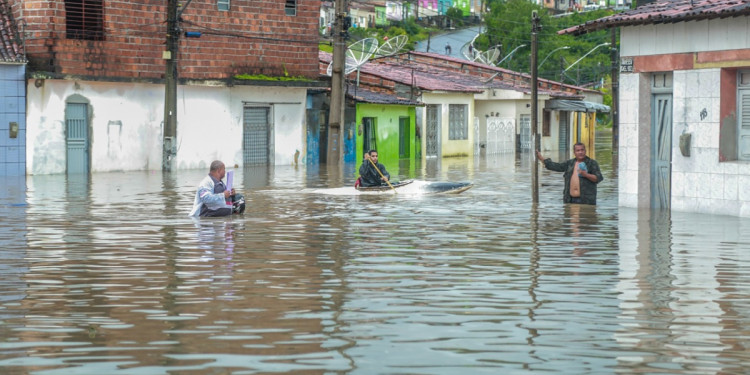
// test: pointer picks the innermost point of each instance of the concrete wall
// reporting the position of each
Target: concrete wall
(13, 109)
(126, 131)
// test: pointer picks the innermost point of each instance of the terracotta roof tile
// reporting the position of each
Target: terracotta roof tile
(11, 47)
(436, 76)
(666, 11)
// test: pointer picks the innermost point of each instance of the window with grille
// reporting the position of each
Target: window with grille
(458, 126)
(222, 4)
(290, 7)
(84, 19)
(743, 115)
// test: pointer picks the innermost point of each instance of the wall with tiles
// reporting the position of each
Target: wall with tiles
(12, 110)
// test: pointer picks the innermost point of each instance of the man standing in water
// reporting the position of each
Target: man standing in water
(581, 175)
(212, 198)
(368, 173)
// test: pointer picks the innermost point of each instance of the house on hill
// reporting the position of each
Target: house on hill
(96, 86)
(684, 100)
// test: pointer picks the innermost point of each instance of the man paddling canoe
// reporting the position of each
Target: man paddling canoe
(368, 171)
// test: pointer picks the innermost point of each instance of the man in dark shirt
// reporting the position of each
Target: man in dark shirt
(581, 175)
(368, 175)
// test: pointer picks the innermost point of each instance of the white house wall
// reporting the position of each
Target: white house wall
(699, 182)
(685, 37)
(450, 147)
(126, 124)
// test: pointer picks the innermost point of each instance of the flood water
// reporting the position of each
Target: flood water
(107, 275)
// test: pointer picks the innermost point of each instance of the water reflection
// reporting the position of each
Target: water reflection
(109, 275)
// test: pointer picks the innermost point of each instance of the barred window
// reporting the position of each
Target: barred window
(222, 4)
(84, 19)
(458, 125)
(290, 7)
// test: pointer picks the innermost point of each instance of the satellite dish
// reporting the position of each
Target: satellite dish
(357, 54)
(392, 46)
(488, 57)
(351, 66)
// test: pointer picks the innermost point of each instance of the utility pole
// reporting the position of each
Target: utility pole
(534, 103)
(615, 93)
(338, 86)
(169, 149)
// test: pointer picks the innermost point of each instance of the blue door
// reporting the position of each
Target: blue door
(661, 151)
(77, 138)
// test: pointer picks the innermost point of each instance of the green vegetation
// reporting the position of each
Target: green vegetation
(508, 25)
(408, 27)
(263, 77)
(456, 16)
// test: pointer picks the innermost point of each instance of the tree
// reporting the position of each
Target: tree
(508, 25)
(455, 15)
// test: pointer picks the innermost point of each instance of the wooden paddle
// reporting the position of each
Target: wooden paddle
(381, 175)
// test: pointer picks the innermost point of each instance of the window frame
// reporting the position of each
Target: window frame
(458, 122)
(88, 27)
(743, 153)
(290, 7)
(220, 3)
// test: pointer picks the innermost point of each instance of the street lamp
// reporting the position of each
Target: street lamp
(582, 57)
(510, 54)
(550, 54)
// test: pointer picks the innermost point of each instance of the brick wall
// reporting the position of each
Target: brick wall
(253, 37)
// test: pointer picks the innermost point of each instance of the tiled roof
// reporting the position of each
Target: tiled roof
(364, 95)
(666, 11)
(409, 76)
(11, 47)
(433, 77)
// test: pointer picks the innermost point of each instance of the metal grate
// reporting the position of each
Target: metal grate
(525, 132)
(76, 140)
(564, 136)
(432, 131)
(84, 19)
(458, 125)
(256, 132)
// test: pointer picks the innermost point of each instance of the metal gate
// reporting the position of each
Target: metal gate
(256, 135)
(661, 151)
(432, 131)
(525, 132)
(564, 137)
(77, 138)
(501, 135)
(743, 147)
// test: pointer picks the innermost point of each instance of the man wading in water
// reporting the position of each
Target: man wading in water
(581, 175)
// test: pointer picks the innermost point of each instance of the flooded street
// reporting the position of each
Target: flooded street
(108, 275)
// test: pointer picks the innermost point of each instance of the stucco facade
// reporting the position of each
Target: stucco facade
(125, 124)
(452, 147)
